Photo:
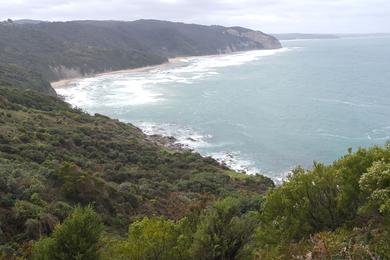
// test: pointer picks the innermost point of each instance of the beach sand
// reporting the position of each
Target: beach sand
(65, 82)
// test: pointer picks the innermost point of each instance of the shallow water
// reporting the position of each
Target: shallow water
(258, 111)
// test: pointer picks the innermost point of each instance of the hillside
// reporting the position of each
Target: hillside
(80, 186)
(177, 204)
(58, 50)
(17, 77)
(53, 157)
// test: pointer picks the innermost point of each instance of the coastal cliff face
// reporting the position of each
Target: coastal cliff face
(58, 50)
(255, 39)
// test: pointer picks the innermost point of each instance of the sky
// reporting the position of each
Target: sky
(272, 16)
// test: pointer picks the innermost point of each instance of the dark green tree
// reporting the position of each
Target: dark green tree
(76, 238)
(225, 230)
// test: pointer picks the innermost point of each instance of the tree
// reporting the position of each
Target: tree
(224, 230)
(349, 170)
(304, 204)
(153, 238)
(376, 184)
(76, 238)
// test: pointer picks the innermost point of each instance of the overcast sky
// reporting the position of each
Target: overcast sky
(273, 16)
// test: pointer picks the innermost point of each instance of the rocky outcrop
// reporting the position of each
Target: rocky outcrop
(63, 72)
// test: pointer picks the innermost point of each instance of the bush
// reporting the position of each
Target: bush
(76, 238)
(153, 238)
(225, 230)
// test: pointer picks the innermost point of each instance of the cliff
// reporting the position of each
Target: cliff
(58, 50)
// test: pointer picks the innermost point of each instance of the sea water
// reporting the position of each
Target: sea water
(259, 111)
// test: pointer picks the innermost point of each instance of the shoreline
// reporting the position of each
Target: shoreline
(171, 61)
(227, 159)
(63, 83)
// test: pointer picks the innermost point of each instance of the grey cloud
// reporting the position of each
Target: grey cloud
(268, 15)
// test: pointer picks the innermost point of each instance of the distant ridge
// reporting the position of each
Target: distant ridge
(297, 36)
(351, 35)
(59, 50)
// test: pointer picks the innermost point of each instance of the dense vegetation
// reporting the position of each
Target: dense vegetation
(17, 77)
(77, 186)
(71, 184)
(54, 157)
(59, 50)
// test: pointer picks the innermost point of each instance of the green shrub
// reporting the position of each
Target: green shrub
(225, 230)
(153, 238)
(76, 238)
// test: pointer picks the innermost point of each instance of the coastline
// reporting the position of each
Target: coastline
(63, 83)
(177, 142)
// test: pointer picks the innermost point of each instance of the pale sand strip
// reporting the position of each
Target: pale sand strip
(65, 82)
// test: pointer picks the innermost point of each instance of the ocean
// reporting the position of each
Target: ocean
(264, 111)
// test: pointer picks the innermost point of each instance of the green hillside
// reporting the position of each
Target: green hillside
(58, 50)
(53, 157)
(76, 186)
(18, 77)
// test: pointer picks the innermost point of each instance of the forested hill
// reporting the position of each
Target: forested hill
(54, 157)
(21, 78)
(59, 50)
(76, 186)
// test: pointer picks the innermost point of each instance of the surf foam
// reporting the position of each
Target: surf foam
(140, 88)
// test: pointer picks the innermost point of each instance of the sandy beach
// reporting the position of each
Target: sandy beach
(65, 82)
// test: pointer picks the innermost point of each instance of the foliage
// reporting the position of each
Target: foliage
(53, 157)
(223, 231)
(76, 238)
(226, 229)
(376, 183)
(15, 76)
(351, 195)
(58, 50)
(153, 238)
(175, 203)
(306, 203)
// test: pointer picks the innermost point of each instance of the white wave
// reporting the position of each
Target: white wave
(235, 161)
(282, 176)
(76, 92)
(183, 135)
(112, 91)
(195, 140)
(343, 102)
(336, 136)
(139, 88)
(374, 135)
(379, 134)
(207, 63)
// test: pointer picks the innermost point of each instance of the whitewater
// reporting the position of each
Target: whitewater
(263, 111)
